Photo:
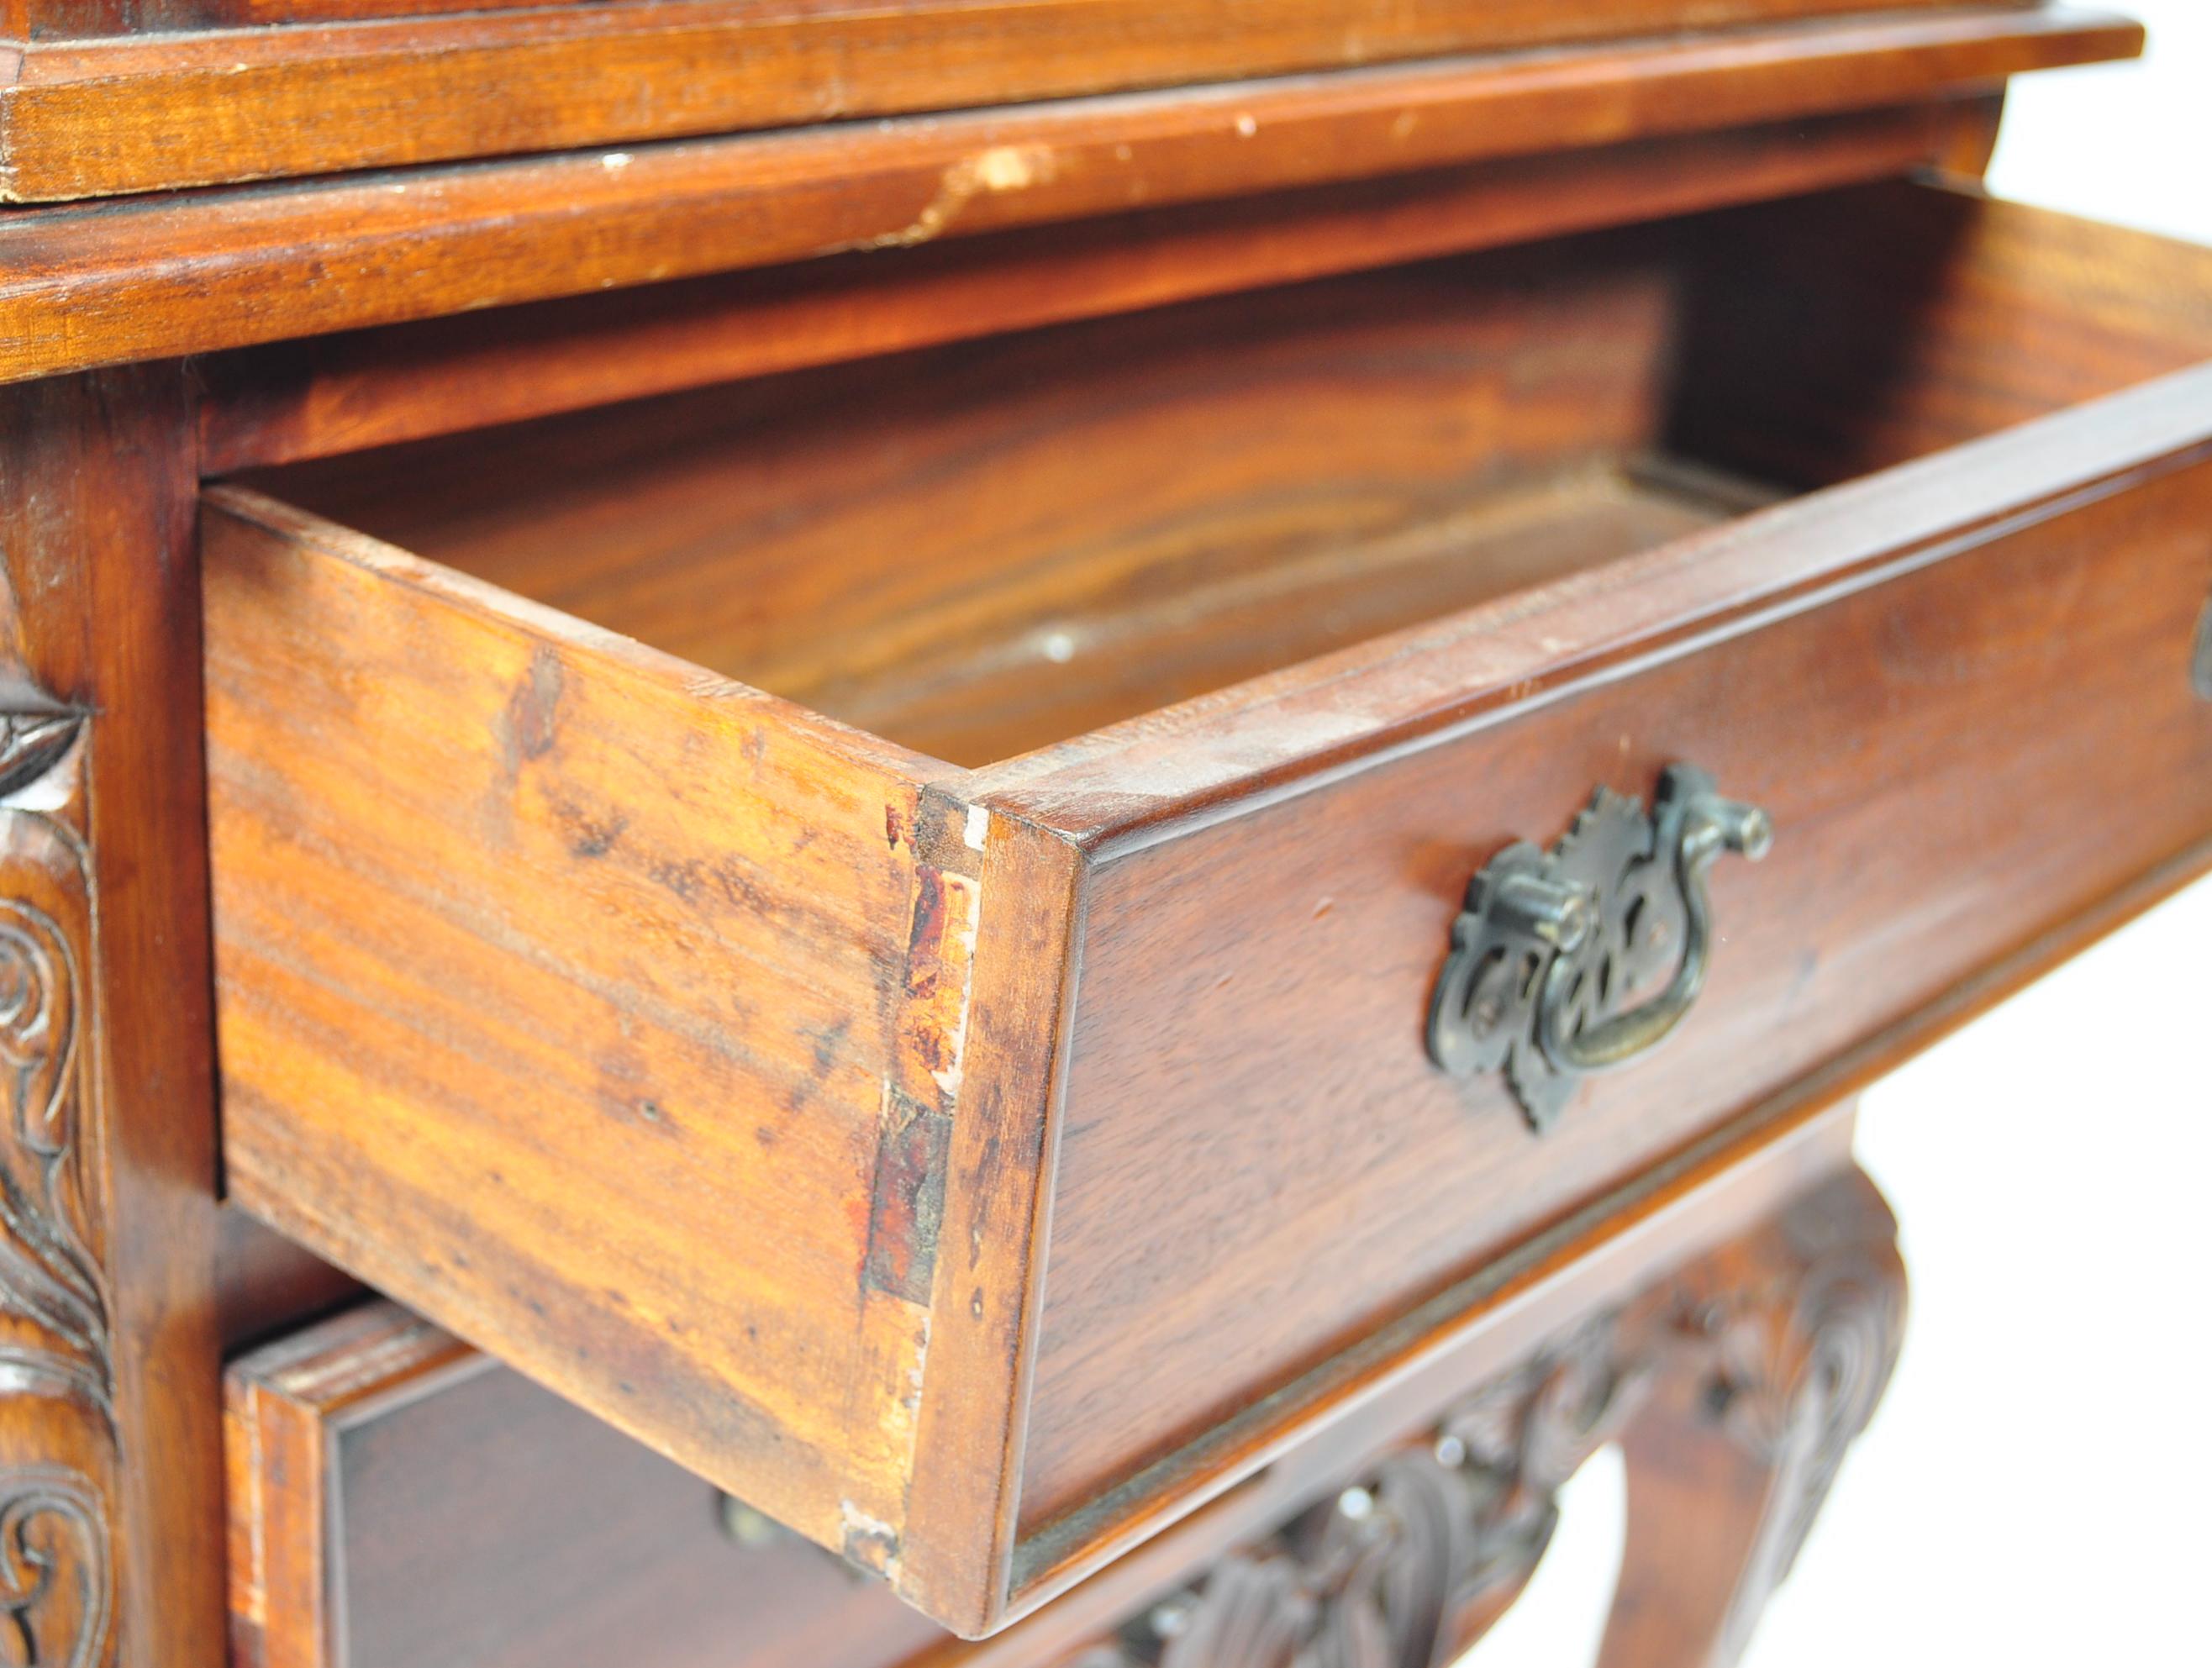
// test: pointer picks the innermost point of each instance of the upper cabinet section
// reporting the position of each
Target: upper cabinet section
(107, 98)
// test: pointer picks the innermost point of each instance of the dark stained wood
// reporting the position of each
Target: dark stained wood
(396, 1496)
(1956, 316)
(93, 117)
(110, 1474)
(379, 386)
(1977, 349)
(93, 284)
(1078, 958)
(930, 1037)
(266, 1285)
(1752, 1370)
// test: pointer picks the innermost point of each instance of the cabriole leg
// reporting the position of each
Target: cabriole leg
(1788, 1340)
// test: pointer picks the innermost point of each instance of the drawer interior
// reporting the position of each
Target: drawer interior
(981, 549)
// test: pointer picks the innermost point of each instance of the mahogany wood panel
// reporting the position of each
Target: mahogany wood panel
(631, 937)
(92, 118)
(396, 1496)
(189, 273)
(110, 1481)
(1074, 960)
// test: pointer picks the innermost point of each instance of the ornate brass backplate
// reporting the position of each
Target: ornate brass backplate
(1552, 949)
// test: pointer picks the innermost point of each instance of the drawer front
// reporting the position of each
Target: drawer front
(1962, 750)
(977, 1169)
(398, 1499)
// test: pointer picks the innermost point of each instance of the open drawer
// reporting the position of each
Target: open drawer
(977, 1124)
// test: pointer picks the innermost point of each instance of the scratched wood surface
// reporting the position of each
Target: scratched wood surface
(1058, 973)
(88, 117)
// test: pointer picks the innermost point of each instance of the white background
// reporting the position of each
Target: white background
(2037, 1487)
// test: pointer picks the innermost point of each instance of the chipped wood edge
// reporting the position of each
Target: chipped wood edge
(963, 1491)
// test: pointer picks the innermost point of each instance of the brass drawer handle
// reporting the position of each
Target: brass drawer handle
(1551, 946)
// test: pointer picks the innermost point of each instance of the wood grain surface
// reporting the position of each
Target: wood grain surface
(90, 117)
(1980, 700)
(191, 272)
(2001, 654)
(577, 963)
(988, 547)
(398, 1499)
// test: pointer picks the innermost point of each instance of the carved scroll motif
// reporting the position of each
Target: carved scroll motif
(57, 1441)
(1798, 1372)
(1785, 1338)
(1383, 1574)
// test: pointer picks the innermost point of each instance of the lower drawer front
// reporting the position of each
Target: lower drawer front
(398, 1499)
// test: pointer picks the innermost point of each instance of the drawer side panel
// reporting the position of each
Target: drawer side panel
(563, 991)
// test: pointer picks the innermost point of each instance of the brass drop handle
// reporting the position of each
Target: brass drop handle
(1552, 946)
(1705, 825)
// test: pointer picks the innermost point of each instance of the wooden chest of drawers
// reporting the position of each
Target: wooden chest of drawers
(744, 1075)
(1001, 858)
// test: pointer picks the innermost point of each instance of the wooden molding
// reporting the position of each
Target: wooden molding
(84, 118)
(104, 283)
(375, 387)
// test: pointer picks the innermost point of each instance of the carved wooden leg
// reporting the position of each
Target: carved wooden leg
(111, 1483)
(1788, 1340)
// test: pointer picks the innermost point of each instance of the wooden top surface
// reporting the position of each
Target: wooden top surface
(98, 97)
(104, 283)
